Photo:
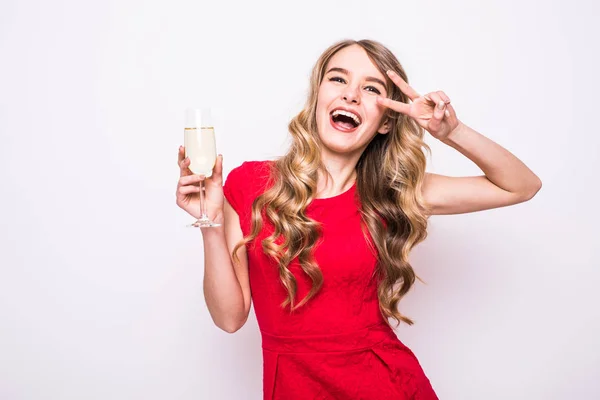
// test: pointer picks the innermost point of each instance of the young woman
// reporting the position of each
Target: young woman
(319, 239)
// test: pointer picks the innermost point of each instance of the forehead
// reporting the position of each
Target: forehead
(355, 59)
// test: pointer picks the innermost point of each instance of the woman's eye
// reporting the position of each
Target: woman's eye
(374, 89)
(337, 79)
(342, 80)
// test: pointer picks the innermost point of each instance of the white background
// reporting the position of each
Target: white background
(101, 283)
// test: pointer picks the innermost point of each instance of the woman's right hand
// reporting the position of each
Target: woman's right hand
(188, 189)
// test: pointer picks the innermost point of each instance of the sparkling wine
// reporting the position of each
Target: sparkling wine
(201, 149)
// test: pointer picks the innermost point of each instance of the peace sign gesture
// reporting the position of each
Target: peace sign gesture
(433, 111)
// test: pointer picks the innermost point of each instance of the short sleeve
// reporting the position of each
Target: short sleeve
(244, 184)
(233, 189)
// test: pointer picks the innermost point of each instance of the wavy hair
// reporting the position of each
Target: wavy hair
(390, 174)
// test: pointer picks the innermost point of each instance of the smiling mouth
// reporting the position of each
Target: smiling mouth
(343, 121)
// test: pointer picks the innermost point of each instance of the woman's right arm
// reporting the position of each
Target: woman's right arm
(226, 286)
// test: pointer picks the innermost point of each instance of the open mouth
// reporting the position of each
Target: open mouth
(344, 120)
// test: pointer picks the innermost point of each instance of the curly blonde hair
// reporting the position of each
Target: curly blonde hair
(390, 174)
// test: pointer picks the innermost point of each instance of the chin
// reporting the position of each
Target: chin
(338, 145)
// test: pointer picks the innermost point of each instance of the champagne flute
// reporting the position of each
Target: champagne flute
(200, 147)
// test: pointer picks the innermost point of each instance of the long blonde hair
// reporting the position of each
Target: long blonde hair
(390, 175)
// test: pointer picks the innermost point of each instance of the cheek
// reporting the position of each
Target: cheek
(327, 94)
(375, 114)
(323, 103)
(321, 112)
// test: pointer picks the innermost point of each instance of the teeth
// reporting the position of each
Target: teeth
(347, 114)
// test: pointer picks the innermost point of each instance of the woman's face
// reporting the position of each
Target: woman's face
(348, 116)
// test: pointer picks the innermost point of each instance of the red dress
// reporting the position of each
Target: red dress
(337, 346)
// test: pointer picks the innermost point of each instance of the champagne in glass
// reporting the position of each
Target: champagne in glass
(200, 147)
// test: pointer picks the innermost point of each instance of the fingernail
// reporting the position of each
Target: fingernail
(441, 105)
(390, 72)
(447, 113)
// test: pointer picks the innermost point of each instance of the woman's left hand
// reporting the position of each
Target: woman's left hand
(433, 111)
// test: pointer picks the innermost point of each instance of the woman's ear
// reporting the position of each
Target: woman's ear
(385, 127)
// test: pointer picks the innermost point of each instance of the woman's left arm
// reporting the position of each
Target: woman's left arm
(507, 179)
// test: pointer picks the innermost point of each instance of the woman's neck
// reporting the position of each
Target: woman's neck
(341, 177)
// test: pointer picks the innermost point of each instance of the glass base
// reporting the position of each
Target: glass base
(203, 223)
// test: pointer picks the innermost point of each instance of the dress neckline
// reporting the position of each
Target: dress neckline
(337, 198)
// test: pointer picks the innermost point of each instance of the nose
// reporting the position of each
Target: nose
(351, 95)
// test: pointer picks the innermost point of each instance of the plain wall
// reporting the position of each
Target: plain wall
(101, 282)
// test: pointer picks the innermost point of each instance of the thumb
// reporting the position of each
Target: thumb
(438, 115)
(438, 112)
(218, 169)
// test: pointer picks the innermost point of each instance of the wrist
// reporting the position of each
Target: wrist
(213, 232)
(454, 134)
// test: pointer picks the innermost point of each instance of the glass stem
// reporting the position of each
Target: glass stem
(203, 215)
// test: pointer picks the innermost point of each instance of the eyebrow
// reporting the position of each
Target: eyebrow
(368, 78)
